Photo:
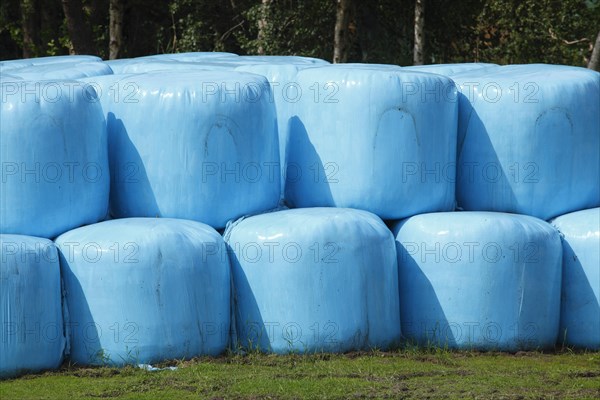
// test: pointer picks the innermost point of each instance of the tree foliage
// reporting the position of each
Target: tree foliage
(380, 31)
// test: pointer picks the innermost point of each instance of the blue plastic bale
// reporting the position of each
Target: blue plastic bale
(309, 280)
(580, 312)
(145, 290)
(286, 92)
(32, 336)
(479, 280)
(55, 173)
(529, 140)
(193, 145)
(373, 138)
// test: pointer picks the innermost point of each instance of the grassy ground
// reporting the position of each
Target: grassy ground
(418, 374)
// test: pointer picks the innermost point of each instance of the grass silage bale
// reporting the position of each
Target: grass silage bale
(65, 70)
(529, 140)
(145, 290)
(55, 173)
(314, 279)
(479, 280)
(580, 308)
(449, 69)
(374, 138)
(32, 336)
(194, 145)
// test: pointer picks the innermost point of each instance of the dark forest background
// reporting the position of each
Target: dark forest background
(376, 31)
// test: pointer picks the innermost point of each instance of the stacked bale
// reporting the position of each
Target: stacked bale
(544, 159)
(310, 280)
(32, 336)
(193, 145)
(145, 290)
(373, 138)
(479, 280)
(580, 311)
(54, 157)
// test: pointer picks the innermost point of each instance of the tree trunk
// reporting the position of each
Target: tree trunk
(262, 25)
(341, 38)
(595, 58)
(80, 32)
(419, 49)
(30, 14)
(115, 11)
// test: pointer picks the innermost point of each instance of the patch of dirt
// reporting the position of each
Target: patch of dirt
(93, 372)
(106, 395)
(585, 374)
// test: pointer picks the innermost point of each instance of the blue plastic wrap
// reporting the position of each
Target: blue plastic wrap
(32, 336)
(61, 59)
(529, 140)
(281, 60)
(168, 65)
(9, 78)
(65, 70)
(481, 280)
(321, 279)
(117, 65)
(373, 138)
(11, 64)
(580, 311)
(286, 91)
(449, 69)
(191, 56)
(392, 67)
(108, 87)
(55, 173)
(145, 290)
(194, 145)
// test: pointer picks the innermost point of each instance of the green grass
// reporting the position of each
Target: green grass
(418, 374)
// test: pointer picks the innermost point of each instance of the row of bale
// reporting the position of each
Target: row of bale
(172, 206)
